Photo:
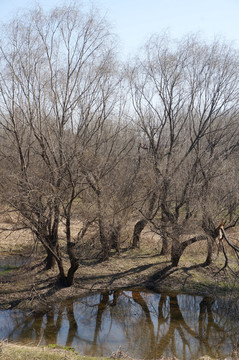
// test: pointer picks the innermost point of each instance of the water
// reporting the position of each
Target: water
(13, 261)
(146, 325)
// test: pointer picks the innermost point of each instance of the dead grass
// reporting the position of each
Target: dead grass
(12, 240)
(22, 352)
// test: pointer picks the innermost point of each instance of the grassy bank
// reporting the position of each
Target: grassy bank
(32, 287)
(22, 352)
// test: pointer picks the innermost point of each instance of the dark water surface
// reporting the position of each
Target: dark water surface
(146, 325)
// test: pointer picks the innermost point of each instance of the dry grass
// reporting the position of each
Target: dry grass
(12, 240)
(22, 352)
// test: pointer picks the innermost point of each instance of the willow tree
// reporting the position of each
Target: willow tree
(110, 174)
(185, 96)
(52, 72)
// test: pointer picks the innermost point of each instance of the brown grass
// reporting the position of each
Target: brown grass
(22, 352)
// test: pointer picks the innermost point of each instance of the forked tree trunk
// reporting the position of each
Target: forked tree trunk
(212, 232)
(140, 225)
(179, 247)
(48, 235)
(50, 244)
(53, 258)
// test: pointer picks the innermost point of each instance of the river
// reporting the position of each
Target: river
(144, 324)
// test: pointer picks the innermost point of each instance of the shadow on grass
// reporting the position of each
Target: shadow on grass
(131, 277)
(164, 273)
(136, 276)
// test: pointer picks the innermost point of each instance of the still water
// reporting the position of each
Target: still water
(146, 325)
(13, 261)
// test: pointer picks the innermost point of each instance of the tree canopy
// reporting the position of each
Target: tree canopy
(154, 141)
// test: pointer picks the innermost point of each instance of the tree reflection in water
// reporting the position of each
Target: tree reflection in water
(146, 325)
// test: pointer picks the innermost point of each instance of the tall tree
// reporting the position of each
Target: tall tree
(185, 96)
(52, 73)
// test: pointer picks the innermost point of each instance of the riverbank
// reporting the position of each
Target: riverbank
(34, 288)
(20, 352)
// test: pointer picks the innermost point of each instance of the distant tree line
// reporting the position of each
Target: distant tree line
(84, 136)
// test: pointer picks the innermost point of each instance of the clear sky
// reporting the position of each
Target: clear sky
(135, 20)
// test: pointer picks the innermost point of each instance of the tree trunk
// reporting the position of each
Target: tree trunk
(115, 238)
(48, 235)
(104, 241)
(105, 247)
(178, 248)
(50, 245)
(74, 264)
(140, 225)
(176, 252)
(213, 232)
(138, 228)
(209, 251)
(71, 253)
(50, 259)
(165, 244)
(165, 216)
(61, 277)
(71, 273)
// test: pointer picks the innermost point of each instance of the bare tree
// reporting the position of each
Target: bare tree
(110, 174)
(53, 68)
(185, 97)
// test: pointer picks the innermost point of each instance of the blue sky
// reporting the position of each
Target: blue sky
(135, 20)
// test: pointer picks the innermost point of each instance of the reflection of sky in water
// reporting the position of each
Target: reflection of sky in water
(13, 261)
(146, 325)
